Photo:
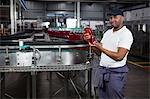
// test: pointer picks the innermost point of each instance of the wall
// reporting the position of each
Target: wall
(89, 11)
(34, 10)
(139, 14)
(92, 11)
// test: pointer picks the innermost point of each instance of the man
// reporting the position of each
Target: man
(114, 48)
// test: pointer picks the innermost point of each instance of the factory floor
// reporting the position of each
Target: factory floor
(138, 85)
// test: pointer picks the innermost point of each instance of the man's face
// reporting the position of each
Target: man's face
(116, 21)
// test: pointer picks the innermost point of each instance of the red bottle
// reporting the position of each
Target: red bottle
(89, 31)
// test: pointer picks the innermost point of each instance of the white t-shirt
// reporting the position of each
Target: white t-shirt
(111, 41)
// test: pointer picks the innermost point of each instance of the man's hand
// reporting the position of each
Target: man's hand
(92, 44)
(95, 44)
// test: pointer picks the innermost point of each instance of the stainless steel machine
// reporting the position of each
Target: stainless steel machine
(28, 56)
(43, 55)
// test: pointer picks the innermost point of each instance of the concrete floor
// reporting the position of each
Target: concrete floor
(137, 85)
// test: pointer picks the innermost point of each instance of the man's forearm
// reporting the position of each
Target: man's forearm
(96, 50)
(117, 56)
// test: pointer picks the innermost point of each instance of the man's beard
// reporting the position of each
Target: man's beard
(115, 27)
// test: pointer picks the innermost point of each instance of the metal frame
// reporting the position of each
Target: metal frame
(44, 68)
(31, 93)
(33, 70)
(50, 46)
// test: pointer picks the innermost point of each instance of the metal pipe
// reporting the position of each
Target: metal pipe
(74, 86)
(20, 22)
(59, 55)
(12, 15)
(2, 85)
(78, 14)
(75, 10)
(15, 17)
(50, 84)
(28, 86)
(33, 74)
(104, 16)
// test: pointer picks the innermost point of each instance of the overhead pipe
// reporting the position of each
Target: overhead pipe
(78, 14)
(12, 16)
(22, 2)
(15, 17)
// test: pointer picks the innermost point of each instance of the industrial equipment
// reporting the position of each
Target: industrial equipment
(32, 53)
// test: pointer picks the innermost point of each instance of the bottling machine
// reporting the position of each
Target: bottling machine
(39, 52)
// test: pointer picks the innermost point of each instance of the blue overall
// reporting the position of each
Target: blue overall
(111, 82)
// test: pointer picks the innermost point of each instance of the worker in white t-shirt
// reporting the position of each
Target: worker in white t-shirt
(114, 48)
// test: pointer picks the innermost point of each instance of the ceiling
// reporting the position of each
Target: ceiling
(100, 1)
(122, 4)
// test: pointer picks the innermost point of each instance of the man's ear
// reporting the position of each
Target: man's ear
(122, 18)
